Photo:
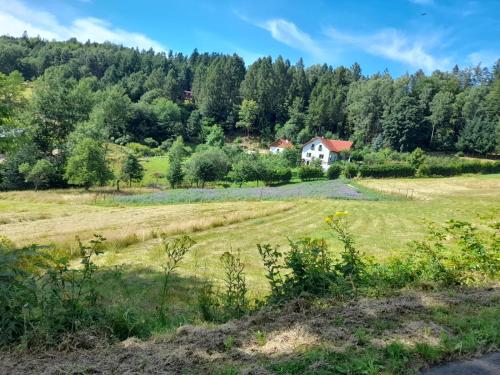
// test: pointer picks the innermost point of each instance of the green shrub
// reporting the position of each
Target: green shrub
(232, 302)
(350, 170)
(453, 167)
(387, 170)
(42, 298)
(456, 254)
(334, 172)
(308, 172)
(140, 150)
(491, 168)
(309, 268)
(276, 175)
(417, 158)
(173, 252)
(234, 299)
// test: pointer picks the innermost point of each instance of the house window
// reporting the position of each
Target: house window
(308, 154)
(312, 146)
(277, 150)
(321, 156)
(320, 148)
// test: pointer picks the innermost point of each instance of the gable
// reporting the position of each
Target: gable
(332, 145)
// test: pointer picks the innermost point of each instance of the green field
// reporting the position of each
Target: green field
(155, 170)
(382, 228)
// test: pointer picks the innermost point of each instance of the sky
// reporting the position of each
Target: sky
(398, 35)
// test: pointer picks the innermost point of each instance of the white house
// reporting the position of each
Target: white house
(326, 150)
(279, 145)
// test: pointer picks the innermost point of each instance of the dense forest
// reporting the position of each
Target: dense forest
(55, 96)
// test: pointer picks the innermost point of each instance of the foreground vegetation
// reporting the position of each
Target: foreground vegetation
(131, 267)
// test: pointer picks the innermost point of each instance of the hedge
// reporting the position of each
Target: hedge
(454, 168)
(277, 175)
(307, 172)
(387, 170)
(350, 170)
(333, 172)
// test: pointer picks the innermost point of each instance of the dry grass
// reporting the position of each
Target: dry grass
(382, 228)
(294, 332)
(438, 188)
(61, 224)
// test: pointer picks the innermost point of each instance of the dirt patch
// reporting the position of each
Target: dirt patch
(299, 324)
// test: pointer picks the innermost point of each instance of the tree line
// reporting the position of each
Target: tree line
(56, 94)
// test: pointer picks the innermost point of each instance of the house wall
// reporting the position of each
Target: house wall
(276, 150)
(313, 150)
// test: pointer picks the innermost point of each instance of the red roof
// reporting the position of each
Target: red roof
(334, 145)
(282, 143)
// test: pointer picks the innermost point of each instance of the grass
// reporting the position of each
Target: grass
(313, 189)
(155, 170)
(381, 227)
(464, 330)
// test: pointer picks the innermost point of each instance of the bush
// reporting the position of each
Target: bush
(387, 170)
(276, 175)
(455, 254)
(350, 170)
(307, 172)
(309, 268)
(452, 167)
(41, 174)
(334, 172)
(140, 150)
(232, 301)
(417, 158)
(209, 165)
(273, 170)
(172, 252)
(42, 298)
(150, 142)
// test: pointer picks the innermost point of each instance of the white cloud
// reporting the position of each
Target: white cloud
(16, 17)
(288, 33)
(483, 58)
(394, 45)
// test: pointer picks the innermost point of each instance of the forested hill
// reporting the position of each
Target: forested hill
(119, 94)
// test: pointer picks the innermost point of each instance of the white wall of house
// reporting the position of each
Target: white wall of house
(276, 150)
(317, 150)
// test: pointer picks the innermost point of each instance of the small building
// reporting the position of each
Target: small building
(187, 96)
(324, 149)
(279, 145)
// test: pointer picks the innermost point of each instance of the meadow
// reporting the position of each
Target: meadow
(382, 228)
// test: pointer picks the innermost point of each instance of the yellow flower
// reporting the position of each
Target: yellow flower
(341, 213)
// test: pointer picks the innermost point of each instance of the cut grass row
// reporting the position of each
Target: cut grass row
(381, 228)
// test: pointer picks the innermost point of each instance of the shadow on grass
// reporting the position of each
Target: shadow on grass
(135, 294)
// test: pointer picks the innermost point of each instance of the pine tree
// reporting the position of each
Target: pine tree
(132, 170)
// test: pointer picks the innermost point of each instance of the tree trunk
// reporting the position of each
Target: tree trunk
(432, 135)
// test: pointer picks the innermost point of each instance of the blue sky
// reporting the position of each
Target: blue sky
(400, 35)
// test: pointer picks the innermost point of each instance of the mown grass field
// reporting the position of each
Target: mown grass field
(132, 263)
(155, 170)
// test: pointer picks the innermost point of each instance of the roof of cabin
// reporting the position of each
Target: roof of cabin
(282, 143)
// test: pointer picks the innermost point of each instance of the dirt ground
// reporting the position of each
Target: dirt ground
(297, 326)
